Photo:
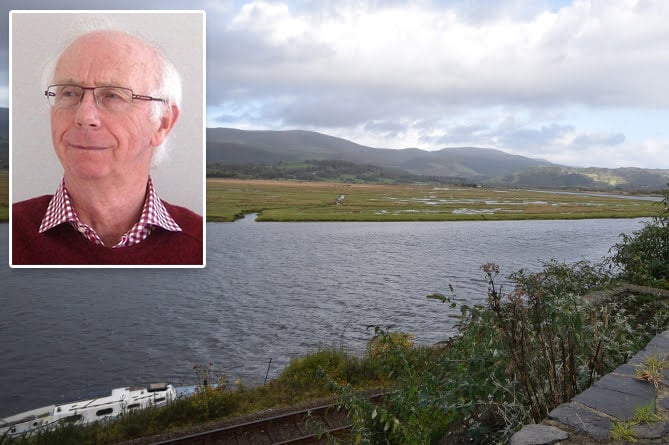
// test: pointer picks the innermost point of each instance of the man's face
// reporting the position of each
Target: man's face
(95, 144)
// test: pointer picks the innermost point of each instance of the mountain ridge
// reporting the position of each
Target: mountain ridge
(234, 146)
(485, 166)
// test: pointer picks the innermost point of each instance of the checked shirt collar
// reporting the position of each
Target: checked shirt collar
(154, 214)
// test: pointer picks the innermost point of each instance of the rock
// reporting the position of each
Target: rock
(582, 420)
(655, 430)
(538, 435)
(618, 396)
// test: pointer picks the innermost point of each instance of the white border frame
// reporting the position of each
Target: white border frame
(171, 194)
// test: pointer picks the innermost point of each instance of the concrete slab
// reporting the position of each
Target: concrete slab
(659, 343)
(627, 385)
(627, 369)
(582, 420)
(617, 396)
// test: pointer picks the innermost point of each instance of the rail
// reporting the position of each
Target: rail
(303, 426)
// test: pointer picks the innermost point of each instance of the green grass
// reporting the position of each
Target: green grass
(623, 431)
(652, 369)
(229, 199)
(645, 415)
(4, 195)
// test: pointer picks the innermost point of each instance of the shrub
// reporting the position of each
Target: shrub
(643, 257)
(411, 411)
(304, 377)
(516, 358)
(555, 341)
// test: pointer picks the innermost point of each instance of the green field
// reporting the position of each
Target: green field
(4, 195)
(228, 199)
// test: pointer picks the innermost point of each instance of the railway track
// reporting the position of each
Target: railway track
(305, 426)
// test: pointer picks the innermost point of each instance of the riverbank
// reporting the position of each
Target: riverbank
(460, 391)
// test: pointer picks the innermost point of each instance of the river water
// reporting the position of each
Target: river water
(270, 291)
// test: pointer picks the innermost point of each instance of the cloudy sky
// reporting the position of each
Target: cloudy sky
(581, 82)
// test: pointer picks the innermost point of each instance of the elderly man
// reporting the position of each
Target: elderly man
(114, 99)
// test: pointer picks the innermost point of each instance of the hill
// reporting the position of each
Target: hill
(232, 146)
(623, 179)
(232, 149)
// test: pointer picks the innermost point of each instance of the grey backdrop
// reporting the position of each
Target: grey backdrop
(38, 36)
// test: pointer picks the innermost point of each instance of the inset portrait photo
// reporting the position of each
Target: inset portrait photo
(107, 139)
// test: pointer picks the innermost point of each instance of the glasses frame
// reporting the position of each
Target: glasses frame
(133, 96)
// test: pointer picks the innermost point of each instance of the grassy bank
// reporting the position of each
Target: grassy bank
(322, 201)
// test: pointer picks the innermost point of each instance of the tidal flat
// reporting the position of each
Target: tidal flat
(271, 200)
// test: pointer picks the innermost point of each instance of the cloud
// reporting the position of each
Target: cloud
(645, 153)
(414, 73)
(389, 129)
(588, 140)
(575, 55)
(426, 73)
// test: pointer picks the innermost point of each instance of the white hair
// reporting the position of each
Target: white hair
(169, 88)
(168, 80)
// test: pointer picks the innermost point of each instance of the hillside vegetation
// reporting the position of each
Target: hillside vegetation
(326, 170)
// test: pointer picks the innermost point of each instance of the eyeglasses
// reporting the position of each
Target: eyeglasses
(114, 99)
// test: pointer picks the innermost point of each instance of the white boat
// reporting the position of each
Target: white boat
(120, 401)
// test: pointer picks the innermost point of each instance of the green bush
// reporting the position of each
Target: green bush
(516, 358)
(304, 377)
(411, 411)
(643, 257)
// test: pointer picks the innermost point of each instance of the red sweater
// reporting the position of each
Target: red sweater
(65, 245)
